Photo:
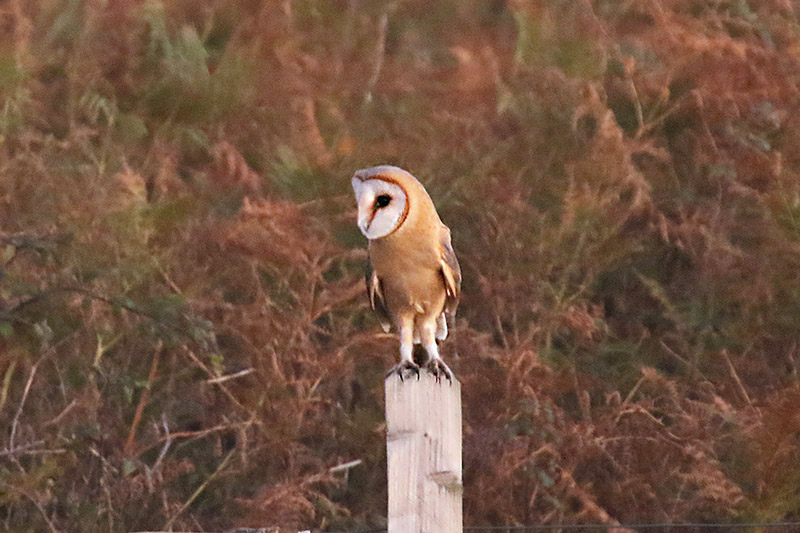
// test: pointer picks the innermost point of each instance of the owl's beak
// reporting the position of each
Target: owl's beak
(365, 216)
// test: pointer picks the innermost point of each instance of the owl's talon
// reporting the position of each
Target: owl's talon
(438, 368)
(400, 367)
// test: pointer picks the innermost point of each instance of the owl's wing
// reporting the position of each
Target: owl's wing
(376, 299)
(451, 273)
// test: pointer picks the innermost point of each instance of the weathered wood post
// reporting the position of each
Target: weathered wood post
(423, 445)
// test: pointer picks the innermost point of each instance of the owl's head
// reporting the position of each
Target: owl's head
(383, 198)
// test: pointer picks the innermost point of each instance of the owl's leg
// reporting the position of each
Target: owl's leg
(435, 365)
(405, 324)
(441, 327)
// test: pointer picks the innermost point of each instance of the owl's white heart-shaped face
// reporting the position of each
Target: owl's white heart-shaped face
(382, 206)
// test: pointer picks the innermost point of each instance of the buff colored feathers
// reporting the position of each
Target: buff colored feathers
(413, 277)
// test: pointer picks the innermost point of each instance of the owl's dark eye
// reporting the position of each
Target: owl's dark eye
(383, 200)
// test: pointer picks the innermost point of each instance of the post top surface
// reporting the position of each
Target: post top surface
(424, 377)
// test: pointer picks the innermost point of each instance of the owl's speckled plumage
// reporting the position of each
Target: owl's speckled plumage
(413, 279)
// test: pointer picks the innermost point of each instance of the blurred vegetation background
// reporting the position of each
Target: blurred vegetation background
(184, 337)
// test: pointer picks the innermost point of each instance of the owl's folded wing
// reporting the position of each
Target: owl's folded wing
(451, 273)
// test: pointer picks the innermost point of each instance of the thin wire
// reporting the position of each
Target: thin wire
(633, 525)
(726, 525)
(383, 530)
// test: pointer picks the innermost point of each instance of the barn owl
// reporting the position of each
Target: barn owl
(413, 277)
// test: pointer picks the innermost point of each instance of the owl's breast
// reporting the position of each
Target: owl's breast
(410, 277)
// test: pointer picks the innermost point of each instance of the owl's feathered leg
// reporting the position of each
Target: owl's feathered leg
(441, 327)
(435, 365)
(406, 327)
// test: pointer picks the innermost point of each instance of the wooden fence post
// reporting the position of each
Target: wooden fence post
(423, 445)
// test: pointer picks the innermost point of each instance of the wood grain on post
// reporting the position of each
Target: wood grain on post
(423, 444)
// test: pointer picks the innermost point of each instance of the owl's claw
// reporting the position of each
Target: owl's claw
(404, 365)
(438, 368)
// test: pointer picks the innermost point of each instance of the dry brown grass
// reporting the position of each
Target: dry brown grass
(184, 338)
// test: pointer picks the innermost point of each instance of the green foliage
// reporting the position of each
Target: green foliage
(181, 86)
(546, 37)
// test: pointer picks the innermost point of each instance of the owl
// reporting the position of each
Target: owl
(413, 277)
